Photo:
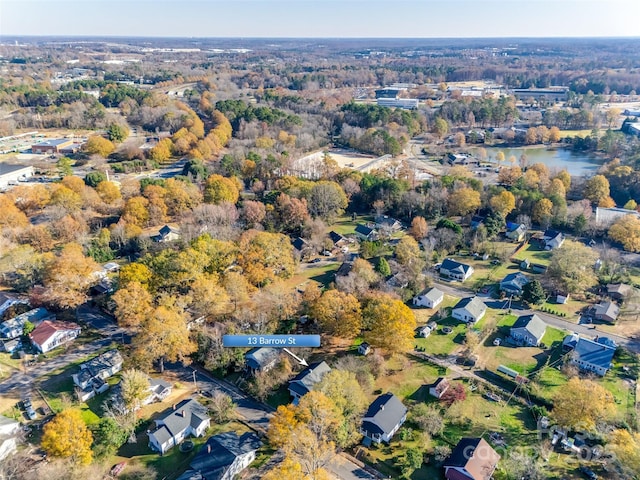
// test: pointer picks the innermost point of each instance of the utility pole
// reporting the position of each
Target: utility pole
(195, 383)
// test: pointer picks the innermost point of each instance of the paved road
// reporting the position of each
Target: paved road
(257, 415)
(632, 344)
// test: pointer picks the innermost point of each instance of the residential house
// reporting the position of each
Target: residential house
(528, 330)
(168, 233)
(430, 299)
(399, 280)
(261, 359)
(365, 233)
(387, 224)
(471, 459)
(383, 419)
(364, 349)
(8, 299)
(10, 345)
(516, 232)
(455, 270)
(552, 239)
(49, 335)
(15, 327)
(305, 380)
(438, 388)
(188, 418)
(338, 240)
(223, 457)
(605, 217)
(562, 297)
(591, 356)
(9, 430)
(513, 283)
(90, 380)
(158, 391)
(345, 267)
(619, 291)
(469, 310)
(606, 312)
(606, 341)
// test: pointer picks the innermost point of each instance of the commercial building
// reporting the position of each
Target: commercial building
(51, 146)
(12, 174)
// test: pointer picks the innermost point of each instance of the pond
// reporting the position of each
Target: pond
(576, 163)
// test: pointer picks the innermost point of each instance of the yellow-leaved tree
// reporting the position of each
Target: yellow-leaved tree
(338, 313)
(390, 323)
(67, 436)
(582, 404)
(627, 231)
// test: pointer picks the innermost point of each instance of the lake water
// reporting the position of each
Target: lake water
(576, 163)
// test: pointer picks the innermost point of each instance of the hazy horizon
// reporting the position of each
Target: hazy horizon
(312, 19)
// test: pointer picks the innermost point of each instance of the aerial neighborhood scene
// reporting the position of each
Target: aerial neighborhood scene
(241, 242)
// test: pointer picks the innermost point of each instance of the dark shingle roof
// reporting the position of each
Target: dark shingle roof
(335, 236)
(452, 266)
(608, 309)
(384, 414)
(514, 281)
(216, 456)
(187, 413)
(363, 230)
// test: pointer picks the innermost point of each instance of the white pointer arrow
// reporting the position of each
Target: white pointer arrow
(302, 361)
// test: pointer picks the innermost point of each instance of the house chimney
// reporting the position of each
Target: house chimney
(174, 406)
(183, 413)
(381, 407)
(208, 448)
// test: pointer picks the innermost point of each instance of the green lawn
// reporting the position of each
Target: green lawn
(406, 378)
(440, 343)
(323, 274)
(534, 254)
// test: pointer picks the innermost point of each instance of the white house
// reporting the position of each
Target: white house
(14, 327)
(429, 299)
(383, 419)
(9, 429)
(528, 330)
(455, 270)
(592, 356)
(188, 418)
(469, 310)
(223, 457)
(90, 380)
(438, 388)
(49, 335)
(8, 299)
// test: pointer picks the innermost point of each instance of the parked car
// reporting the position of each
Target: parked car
(26, 403)
(31, 413)
(587, 472)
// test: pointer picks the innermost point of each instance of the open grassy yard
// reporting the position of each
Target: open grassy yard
(406, 378)
(535, 254)
(571, 309)
(441, 343)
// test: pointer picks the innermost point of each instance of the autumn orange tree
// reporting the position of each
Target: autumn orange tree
(306, 433)
(389, 323)
(218, 189)
(503, 203)
(68, 277)
(338, 313)
(463, 201)
(264, 256)
(626, 230)
(67, 436)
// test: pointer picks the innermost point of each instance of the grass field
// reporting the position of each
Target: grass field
(534, 254)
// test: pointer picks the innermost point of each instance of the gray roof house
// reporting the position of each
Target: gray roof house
(592, 356)
(8, 299)
(552, 239)
(223, 457)
(365, 233)
(514, 283)
(306, 379)
(90, 380)
(188, 418)
(261, 359)
(469, 310)
(619, 291)
(455, 270)
(167, 233)
(528, 330)
(606, 311)
(430, 299)
(13, 328)
(383, 419)
(517, 233)
(438, 388)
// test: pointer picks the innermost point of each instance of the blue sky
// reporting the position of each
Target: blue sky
(322, 18)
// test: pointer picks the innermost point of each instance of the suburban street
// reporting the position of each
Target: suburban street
(257, 415)
(632, 344)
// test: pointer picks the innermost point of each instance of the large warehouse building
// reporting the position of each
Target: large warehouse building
(11, 174)
(54, 145)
